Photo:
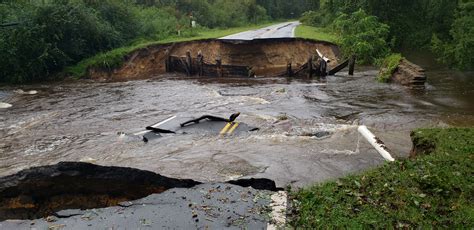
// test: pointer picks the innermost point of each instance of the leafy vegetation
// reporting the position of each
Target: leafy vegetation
(362, 35)
(434, 190)
(357, 33)
(412, 24)
(288, 9)
(388, 67)
(53, 35)
(115, 57)
(39, 38)
(458, 49)
(316, 33)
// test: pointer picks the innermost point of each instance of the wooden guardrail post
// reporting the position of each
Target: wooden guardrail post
(310, 67)
(167, 61)
(323, 64)
(352, 62)
(189, 63)
(200, 63)
(323, 68)
(289, 70)
(250, 71)
(219, 66)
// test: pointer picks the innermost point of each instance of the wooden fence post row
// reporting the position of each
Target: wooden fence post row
(315, 66)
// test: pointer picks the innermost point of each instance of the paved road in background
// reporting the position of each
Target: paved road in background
(283, 30)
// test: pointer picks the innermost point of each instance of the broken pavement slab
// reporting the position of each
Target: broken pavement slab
(213, 206)
(57, 190)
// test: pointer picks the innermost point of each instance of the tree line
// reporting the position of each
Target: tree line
(40, 37)
(444, 26)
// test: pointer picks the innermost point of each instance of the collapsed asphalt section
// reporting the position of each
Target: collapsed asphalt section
(61, 191)
(206, 206)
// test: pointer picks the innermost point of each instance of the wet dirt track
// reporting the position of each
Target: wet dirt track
(80, 121)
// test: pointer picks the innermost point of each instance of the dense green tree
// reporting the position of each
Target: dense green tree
(458, 50)
(363, 35)
(288, 9)
(40, 37)
(50, 36)
(412, 22)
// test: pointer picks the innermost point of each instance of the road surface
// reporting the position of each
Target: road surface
(207, 206)
(282, 30)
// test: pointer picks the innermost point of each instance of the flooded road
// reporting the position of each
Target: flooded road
(79, 121)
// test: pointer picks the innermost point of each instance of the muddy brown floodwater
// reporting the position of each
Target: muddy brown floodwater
(79, 121)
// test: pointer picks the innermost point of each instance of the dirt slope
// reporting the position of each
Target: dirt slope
(266, 56)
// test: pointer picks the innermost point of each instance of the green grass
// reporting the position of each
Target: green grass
(316, 33)
(115, 57)
(434, 190)
(388, 67)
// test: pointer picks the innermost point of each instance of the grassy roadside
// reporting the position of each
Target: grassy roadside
(433, 190)
(114, 58)
(315, 33)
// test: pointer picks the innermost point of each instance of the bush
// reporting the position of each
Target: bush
(53, 34)
(312, 18)
(459, 50)
(123, 17)
(363, 35)
(156, 23)
(49, 37)
(388, 67)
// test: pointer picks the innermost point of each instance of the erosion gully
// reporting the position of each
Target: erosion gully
(79, 121)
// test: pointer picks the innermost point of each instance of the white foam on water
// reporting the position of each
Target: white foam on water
(46, 146)
(4, 105)
(88, 160)
(31, 92)
(256, 99)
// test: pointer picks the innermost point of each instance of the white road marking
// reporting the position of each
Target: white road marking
(279, 205)
(155, 126)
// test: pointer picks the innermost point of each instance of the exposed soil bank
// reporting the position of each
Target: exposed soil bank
(42, 191)
(266, 56)
(409, 74)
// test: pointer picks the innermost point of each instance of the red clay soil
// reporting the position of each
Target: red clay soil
(266, 56)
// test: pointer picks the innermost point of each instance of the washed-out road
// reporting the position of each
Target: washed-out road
(282, 30)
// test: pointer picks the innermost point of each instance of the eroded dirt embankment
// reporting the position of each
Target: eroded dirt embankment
(409, 74)
(265, 56)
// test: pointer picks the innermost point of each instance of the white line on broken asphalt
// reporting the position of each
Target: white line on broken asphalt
(279, 205)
